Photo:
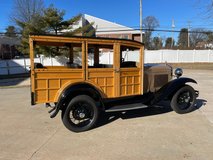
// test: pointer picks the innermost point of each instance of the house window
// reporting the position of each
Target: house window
(125, 37)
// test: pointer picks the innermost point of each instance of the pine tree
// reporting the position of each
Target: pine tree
(183, 38)
(10, 31)
(169, 42)
(51, 21)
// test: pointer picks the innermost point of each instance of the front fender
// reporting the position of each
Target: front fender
(170, 88)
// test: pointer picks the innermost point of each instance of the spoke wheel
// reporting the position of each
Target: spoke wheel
(183, 100)
(81, 114)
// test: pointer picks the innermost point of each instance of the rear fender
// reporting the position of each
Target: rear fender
(170, 88)
(74, 90)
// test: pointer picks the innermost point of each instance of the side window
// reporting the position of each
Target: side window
(100, 56)
(130, 57)
(74, 56)
(68, 55)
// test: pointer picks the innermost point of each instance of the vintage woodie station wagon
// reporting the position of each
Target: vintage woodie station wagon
(87, 82)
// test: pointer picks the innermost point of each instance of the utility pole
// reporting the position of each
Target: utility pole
(141, 22)
(189, 26)
(173, 27)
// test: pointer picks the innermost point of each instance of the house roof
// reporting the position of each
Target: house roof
(106, 27)
(10, 40)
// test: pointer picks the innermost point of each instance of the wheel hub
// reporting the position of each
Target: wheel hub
(79, 113)
(184, 98)
(82, 115)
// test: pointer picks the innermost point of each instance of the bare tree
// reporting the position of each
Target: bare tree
(149, 24)
(205, 9)
(25, 10)
(209, 9)
(198, 35)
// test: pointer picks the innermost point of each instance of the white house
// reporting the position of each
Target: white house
(106, 28)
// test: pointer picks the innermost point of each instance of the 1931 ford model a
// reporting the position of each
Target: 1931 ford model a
(91, 82)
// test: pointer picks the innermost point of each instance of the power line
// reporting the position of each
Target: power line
(136, 29)
(156, 30)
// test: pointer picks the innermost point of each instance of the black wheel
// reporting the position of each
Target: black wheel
(183, 100)
(81, 114)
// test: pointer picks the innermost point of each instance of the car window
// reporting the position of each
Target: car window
(129, 57)
(100, 56)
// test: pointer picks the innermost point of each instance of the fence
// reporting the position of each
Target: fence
(179, 56)
(170, 56)
(17, 66)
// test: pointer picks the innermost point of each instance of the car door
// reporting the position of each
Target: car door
(131, 70)
(100, 67)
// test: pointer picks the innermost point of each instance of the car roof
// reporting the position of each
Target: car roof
(82, 37)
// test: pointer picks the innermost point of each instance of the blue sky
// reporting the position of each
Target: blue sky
(126, 12)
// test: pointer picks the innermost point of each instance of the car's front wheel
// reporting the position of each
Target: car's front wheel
(183, 100)
(81, 114)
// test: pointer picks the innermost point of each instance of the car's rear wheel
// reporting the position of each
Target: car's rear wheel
(81, 114)
(183, 100)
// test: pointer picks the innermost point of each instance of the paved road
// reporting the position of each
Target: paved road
(27, 133)
(205, 86)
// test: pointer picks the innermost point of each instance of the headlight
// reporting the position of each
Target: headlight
(178, 72)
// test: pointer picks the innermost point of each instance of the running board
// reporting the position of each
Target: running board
(126, 107)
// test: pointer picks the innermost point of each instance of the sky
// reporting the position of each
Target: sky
(126, 12)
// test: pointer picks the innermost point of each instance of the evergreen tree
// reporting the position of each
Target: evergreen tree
(35, 26)
(10, 31)
(169, 43)
(183, 38)
(51, 21)
(157, 43)
(53, 18)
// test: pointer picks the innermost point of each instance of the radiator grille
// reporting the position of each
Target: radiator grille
(160, 80)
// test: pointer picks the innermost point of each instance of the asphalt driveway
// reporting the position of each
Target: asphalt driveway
(27, 133)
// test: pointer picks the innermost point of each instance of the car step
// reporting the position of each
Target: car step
(126, 107)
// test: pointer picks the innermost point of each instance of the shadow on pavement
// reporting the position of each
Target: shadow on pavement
(161, 108)
(16, 80)
(13, 72)
(200, 103)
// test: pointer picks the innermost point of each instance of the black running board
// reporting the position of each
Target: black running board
(126, 107)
